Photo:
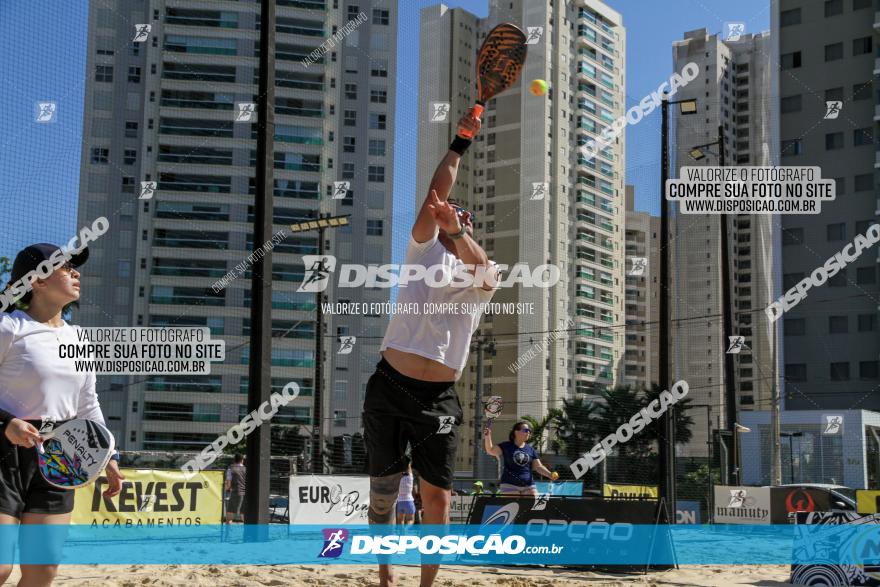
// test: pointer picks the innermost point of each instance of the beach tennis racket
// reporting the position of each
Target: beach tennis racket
(492, 409)
(499, 64)
(74, 453)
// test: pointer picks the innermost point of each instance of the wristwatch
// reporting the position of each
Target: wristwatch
(457, 235)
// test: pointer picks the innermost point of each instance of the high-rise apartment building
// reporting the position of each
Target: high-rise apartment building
(732, 92)
(528, 142)
(642, 297)
(827, 52)
(165, 110)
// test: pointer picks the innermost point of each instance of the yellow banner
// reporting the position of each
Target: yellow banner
(629, 491)
(867, 501)
(155, 499)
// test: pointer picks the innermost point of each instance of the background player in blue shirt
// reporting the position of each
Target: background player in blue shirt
(519, 459)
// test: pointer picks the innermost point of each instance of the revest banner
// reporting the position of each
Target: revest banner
(329, 499)
(742, 505)
(153, 498)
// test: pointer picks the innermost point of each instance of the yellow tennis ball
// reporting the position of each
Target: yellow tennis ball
(554, 476)
(538, 87)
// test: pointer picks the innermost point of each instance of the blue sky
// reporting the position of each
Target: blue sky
(43, 49)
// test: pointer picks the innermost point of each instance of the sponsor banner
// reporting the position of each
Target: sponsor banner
(459, 507)
(788, 500)
(868, 501)
(153, 499)
(687, 512)
(742, 505)
(613, 523)
(329, 499)
(617, 491)
(570, 488)
(836, 548)
(833, 539)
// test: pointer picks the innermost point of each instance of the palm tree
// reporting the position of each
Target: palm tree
(540, 427)
(683, 423)
(621, 404)
(574, 427)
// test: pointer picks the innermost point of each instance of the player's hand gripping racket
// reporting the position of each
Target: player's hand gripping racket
(73, 454)
(492, 409)
(499, 64)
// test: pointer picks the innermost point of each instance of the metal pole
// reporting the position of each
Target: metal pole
(478, 468)
(260, 367)
(726, 301)
(776, 477)
(791, 457)
(318, 427)
(667, 444)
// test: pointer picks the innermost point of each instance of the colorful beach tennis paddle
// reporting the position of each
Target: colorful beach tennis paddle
(74, 453)
(500, 62)
(492, 407)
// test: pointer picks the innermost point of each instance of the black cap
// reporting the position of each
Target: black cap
(30, 257)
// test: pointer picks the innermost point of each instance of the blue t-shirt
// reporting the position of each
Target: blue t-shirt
(517, 463)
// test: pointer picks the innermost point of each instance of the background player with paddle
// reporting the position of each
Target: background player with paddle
(411, 397)
(40, 465)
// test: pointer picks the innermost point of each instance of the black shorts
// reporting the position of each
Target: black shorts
(426, 415)
(233, 506)
(22, 487)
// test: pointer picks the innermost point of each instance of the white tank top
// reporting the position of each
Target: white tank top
(442, 337)
(406, 487)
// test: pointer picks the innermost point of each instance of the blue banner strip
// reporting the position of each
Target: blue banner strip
(533, 544)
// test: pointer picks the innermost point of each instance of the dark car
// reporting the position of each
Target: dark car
(841, 498)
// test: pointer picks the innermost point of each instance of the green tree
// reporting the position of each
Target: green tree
(5, 267)
(574, 427)
(541, 427)
(683, 422)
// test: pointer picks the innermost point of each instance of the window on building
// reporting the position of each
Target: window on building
(796, 372)
(862, 137)
(379, 67)
(836, 231)
(103, 73)
(839, 371)
(789, 60)
(348, 171)
(134, 75)
(867, 322)
(351, 91)
(868, 369)
(834, 94)
(790, 17)
(349, 118)
(374, 227)
(376, 173)
(792, 236)
(833, 7)
(795, 326)
(100, 155)
(380, 16)
(862, 46)
(791, 104)
(792, 147)
(131, 129)
(348, 144)
(838, 325)
(377, 121)
(864, 183)
(839, 280)
(834, 51)
(866, 275)
(377, 148)
(833, 141)
(130, 157)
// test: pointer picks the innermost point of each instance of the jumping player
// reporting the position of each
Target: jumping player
(411, 397)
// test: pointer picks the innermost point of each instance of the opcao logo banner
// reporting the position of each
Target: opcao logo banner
(153, 499)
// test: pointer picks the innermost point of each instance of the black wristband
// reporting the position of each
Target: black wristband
(459, 145)
(5, 418)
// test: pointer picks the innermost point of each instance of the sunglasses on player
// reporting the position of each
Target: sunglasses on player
(526, 430)
(462, 211)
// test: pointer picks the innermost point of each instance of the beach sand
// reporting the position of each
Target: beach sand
(363, 576)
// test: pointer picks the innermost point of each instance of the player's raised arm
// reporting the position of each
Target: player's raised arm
(444, 177)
